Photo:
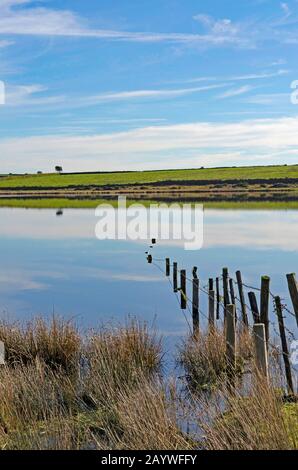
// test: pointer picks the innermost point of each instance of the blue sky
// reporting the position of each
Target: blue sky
(141, 84)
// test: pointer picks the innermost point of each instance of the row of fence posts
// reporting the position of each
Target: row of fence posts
(260, 316)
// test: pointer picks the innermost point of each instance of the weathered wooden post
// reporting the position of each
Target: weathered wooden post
(217, 298)
(149, 259)
(265, 295)
(175, 277)
(225, 280)
(242, 298)
(211, 309)
(285, 350)
(168, 267)
(293, 289)
(254, 307)
(195, 302)
(230, 339)
(2, 353)
(259, 336)
(183, 289)
(233, 297)
(211, 284)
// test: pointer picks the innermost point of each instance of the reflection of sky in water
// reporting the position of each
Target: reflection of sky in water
(55, 263)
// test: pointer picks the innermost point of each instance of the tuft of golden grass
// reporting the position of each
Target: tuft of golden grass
(258, 421)
(60, 391)
(149, 420)
(117, 356)
(204, 357)
(57, 343)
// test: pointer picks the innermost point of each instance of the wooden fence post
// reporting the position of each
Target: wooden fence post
(293, 289)
(225, 277)
(195, 302)
(217, 299)
(233, 298)
(254, 307)
(242, 298)
(183, 289)
(259, 336)
(264, 315)
(211, 309)
(230, 339)
(285, 350)
(168, 268)
(175, 277)
(2, 353)
(149, 259)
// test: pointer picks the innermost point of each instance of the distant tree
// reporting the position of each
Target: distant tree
(58, 169)
(39, 172)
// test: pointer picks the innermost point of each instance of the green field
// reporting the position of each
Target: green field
(121, 178)
(64, 203)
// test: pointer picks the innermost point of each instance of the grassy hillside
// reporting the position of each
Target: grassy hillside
(87, 179)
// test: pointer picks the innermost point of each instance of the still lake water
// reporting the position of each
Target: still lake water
(55, 264)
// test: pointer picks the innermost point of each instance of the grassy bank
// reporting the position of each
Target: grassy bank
(64, 203)
(145, 177)
(106, 390)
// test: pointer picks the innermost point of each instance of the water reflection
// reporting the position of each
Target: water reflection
(51, 263)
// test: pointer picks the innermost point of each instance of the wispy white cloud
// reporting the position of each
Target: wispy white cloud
(269, 99)
(166, 93)
(235, 78)
(36, 95)
(6, 43)
(23, 95)
(43, 21)
(177, 146)
(286, 9)
(236, 92)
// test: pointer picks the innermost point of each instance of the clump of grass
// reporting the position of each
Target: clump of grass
(259, 421)
(32, 394)
(203, 357)
(118, 356)
(56, 343)
(60, 391)
(148, 419)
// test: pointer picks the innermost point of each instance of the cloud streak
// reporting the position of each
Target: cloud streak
(177, 146)
(42, 21)
(235, 92)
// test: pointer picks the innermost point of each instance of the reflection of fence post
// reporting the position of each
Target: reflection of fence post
(259, 337)
(242, 298)
(230, 339)
(168, 269)
(175, 279)
(254, 307)
(183, 289)
(285, 350)
(211, 308)
(293, 288)
(217, 298)
(195, 302)
(264, 316)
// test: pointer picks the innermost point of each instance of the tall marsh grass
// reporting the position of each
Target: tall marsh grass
(106, 390)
